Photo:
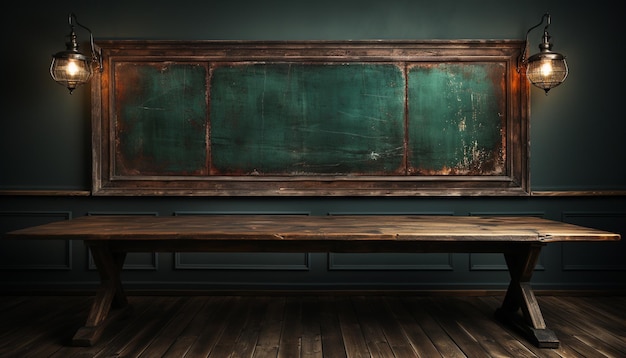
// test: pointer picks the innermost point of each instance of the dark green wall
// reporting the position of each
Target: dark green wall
(577, 140)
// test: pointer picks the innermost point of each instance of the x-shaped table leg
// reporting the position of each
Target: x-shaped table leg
(519, 295)
(109, 295)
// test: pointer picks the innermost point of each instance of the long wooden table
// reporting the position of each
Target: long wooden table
(520, 239)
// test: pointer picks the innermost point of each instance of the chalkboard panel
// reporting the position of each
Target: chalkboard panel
(297, 119)
(228, 118)
(460, 130)
(161, 120)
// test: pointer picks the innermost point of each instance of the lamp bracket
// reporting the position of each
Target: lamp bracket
(546, 37)
(96, 55)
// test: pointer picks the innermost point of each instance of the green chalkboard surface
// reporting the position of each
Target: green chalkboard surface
(161, 119)
(457, 118)
(295, 119)
(310, 118)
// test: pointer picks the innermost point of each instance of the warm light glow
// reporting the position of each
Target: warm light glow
(72, 68)
(546, 68)
(547, 72)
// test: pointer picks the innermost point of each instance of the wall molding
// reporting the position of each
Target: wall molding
(611, 259)
(578, 193)
(64, 262)
(28, 192)
(366, 265)
(234, 264)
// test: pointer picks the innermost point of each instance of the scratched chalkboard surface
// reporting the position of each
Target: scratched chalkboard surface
(294, 119)
(461, 129)
(310, 118)
(161, 119)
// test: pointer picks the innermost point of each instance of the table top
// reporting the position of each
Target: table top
(305, 227)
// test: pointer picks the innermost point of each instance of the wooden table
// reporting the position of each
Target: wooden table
(520, 239)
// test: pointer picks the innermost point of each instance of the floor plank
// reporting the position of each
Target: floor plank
(352, 333)
(421, 311)
(311, 326)
(332, 339)
(269, 335)
(415, 334)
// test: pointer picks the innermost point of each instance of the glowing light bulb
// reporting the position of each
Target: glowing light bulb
(72, 68)
(546, 69)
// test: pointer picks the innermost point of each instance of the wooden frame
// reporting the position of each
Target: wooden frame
(310, 118)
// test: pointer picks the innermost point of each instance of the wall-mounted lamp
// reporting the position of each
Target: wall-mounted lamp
(545, 69)
(71, 68)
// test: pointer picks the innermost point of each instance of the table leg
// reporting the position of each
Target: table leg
(520, 296)
(110, 294)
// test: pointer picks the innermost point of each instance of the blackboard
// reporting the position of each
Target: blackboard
(310, 118)
(296, 119)
(457, 118)
(161, 119)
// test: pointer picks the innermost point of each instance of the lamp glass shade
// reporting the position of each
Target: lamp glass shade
(71, 69)
(546, 70)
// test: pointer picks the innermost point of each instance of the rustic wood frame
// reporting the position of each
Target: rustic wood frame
(514, 182)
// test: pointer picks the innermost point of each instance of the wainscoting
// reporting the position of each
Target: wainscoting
(53, 265)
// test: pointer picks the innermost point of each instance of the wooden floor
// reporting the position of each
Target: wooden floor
(400, 326)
